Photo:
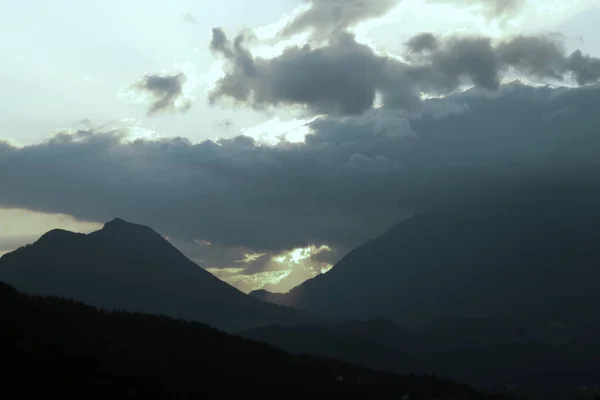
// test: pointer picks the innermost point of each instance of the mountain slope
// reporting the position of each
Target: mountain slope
(53, 346)
(479, 352)
(379, 344)
(519, 257)
(131, 267)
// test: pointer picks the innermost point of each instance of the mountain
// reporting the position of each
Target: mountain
(133, 268)
(491, 355)
(265, 295)
(498, 292)
(522, 257)
(56, 347)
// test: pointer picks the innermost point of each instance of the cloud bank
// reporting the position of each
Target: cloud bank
(351, 179)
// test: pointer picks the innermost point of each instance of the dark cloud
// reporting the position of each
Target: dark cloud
(164, 91)
(352, 178)
(542, 56)
(457, 61)
(344, 76)
(326, 17)
(490, 8)
(422, 42)
(585, 68)
(339, 78)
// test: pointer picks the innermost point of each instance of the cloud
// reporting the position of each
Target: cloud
(163, 91)
(421, 43)
(188, 17)
(345, 77)
(489, 8)
(350, 180)
(248, 283)
(324, 18)
(275, 270)
(339, 78)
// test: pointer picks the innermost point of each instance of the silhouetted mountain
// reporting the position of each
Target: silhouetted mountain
(55, 348)
(131, 267)
(500, 292)
(265, 295)
(516, 258)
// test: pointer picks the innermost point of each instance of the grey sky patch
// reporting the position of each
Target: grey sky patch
(326, 17)
(227, 123)
(189, 18)
(164, 91)
(492, 9)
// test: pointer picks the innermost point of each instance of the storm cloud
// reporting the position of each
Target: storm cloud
(164, 92)
(344, 77)
(350, 180)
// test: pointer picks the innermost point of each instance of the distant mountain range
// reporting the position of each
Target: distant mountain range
(130, 267)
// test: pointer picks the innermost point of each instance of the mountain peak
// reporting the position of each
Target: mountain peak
(56, 235)
(117, 223)
(120, 229)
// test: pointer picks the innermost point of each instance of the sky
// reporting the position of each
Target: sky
(267, 139)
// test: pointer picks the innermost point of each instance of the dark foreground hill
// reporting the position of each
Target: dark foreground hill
(55, 347)
(131, 267)
(527, 358)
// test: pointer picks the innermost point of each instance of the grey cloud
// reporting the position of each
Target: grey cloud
(490, 8)
(483, 62)
(422, 42)
(164, 91)
(542, 56)
(326, 17)
(585, 68)
(445, 69)
(339, 78)
(344, 77)
(235, 193)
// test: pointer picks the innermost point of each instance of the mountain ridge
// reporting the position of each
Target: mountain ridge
(132, 267)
